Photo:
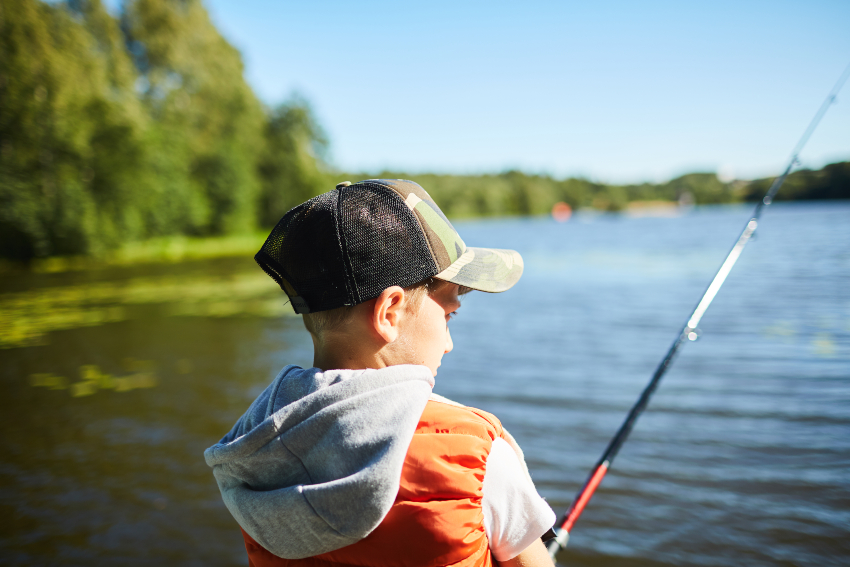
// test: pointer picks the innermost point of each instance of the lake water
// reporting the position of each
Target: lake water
(115, 381)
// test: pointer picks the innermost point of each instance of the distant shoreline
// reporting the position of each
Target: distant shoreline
(173, 249)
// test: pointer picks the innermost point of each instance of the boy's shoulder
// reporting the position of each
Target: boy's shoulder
(443, 415)
(460, 419)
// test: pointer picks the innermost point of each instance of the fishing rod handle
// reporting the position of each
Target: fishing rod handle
(557, 543)
(562, 535)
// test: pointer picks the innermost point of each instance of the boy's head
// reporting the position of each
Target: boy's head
(379, 252)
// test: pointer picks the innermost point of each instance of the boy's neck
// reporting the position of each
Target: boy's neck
(334, 351)
(357, 351)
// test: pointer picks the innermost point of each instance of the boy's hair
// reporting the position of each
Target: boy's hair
(321, 321)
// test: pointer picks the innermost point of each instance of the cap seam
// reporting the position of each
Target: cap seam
(351, 286)
(421, 228)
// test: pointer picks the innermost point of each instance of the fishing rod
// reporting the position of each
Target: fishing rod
(689, 332)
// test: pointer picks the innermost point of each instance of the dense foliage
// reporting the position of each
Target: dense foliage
(114, 130)
(830, 182)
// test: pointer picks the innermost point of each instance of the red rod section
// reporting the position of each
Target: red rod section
(586, 494)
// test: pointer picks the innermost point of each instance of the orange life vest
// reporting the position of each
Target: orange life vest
(436, 519)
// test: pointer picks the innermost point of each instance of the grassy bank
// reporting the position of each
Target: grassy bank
(156, 250)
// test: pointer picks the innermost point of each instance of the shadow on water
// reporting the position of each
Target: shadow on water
(116, 380)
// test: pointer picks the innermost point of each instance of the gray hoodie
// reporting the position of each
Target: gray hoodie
(315, 463)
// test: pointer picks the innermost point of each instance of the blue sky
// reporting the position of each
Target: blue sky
(615, 91)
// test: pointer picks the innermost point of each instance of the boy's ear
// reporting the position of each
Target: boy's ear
(388, 312)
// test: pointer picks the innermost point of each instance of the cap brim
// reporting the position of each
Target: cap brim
(485, 269)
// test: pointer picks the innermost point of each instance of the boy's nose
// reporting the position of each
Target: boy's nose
(449, 343)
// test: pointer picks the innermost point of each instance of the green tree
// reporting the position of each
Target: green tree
(830, 182)
(204, 112)
(69, 132)
(113, 131)
(292, 165)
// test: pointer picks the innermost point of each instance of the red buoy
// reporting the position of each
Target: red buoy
(561, 211)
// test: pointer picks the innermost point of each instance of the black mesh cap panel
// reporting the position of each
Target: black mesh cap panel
(382, 240)
(303, 252)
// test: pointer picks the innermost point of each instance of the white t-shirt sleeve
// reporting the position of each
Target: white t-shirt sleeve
(514, 514)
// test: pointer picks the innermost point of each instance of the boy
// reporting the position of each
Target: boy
(355, 461)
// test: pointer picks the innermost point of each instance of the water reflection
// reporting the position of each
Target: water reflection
(821, 343)
(27, 317)
(93, 380)
(106, 423)
(824, 345)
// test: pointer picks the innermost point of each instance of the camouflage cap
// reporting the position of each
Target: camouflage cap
(347, 245)
(484, 269)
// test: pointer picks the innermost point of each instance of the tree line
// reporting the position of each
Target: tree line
(518, 193)
(122, 128)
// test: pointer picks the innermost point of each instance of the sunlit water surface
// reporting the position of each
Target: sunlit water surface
(115, 381)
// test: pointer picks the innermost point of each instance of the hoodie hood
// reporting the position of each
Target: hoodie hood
(314, 464)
